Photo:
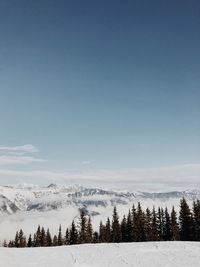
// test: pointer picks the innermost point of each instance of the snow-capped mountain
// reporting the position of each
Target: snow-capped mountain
(7, 206)
(53, 197)
(26, 206)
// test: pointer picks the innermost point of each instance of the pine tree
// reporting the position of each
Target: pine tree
(16, 242)
(22, 239)
(154, 226)
(34, 240)
(89, 231)
(148, 229)
(73, 236)
(95, 238)
(134, 222)
(60, 241)
(11, 244)
(30, 243)
(185, 218)
(82, 233)
(139, 224)
(55, 240)
(167, 234)
(174, 226)
(102, 233)
(196, 212)
(116, 231)
(38, 237)
(129, 227)
(43, 241)
(5, 245)
(67, 237)
(161, 224)
(108, 231)
(48, 238)
(124, 229)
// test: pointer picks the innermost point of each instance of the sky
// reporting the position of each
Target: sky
(100, 90)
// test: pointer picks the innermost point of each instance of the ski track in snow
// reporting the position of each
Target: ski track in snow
(148, 254)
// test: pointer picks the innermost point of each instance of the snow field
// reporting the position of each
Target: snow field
(148, 254)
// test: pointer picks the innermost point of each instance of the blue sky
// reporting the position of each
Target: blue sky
(99, 86)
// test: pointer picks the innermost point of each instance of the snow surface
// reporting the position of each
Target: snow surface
(148, 254)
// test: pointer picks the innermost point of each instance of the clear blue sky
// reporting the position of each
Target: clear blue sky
(100, 84)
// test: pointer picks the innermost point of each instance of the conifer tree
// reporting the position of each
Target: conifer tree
(11, 244)
(16, 242)
(48, 238)
(30, 243)
(154, 226)
(38, 237)
(174, 226)
(73, 236)
(43, 242)
(34, 240)
(161, 224)
(89, 231)
(95, 238)
(129, 227)
(102, 233)
(55, 241)
(139, 224)
(60, 241)
(134, 222)
(67, 237)
(167, 235)
(5, 245)
(116, 231)
(196, 213)
(22, 239)
(108, 231)
(124, 229)
(185, 218)
(82, 232)
(148, 228)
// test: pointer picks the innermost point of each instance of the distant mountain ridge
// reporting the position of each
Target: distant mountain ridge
(53, 197)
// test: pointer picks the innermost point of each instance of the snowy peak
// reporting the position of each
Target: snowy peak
(53, 205)
(7, 206)
(29, 197)
(53, 186)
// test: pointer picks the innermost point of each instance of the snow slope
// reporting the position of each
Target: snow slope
(149, 254)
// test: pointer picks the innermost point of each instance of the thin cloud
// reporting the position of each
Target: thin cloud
(14, 155)
(28, 148)
(10, 160)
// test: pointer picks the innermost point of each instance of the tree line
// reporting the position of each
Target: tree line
(137, 226)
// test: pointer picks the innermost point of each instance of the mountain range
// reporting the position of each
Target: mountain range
(28, 198)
